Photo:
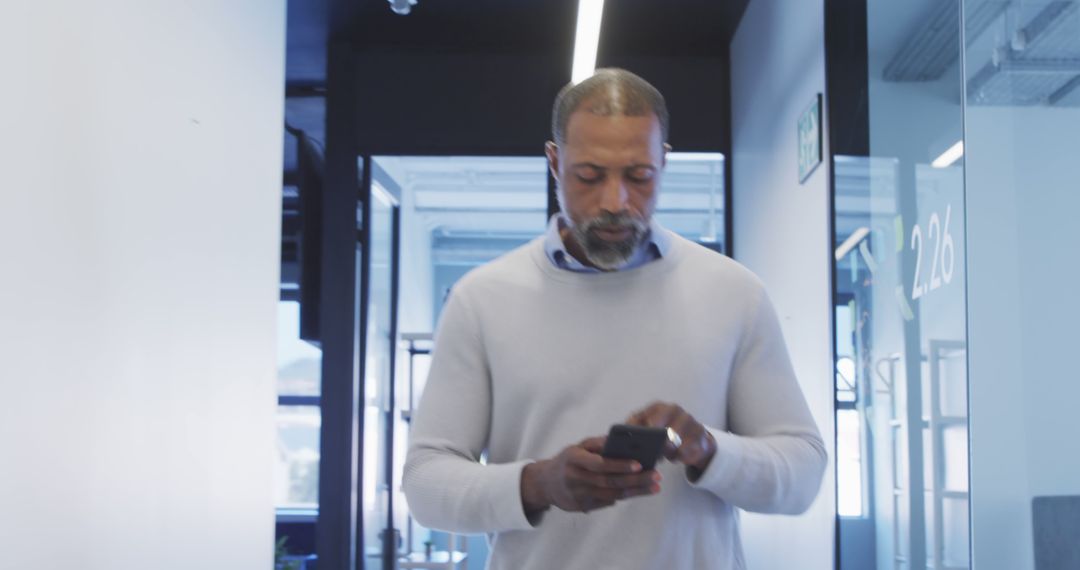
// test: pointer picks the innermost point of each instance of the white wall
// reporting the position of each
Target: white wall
(1022, 202)
(140, 227)
(782, 234)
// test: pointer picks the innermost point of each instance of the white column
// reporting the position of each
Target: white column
(139, 225)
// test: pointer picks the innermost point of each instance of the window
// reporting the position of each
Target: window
(691, 201)
(296, 476)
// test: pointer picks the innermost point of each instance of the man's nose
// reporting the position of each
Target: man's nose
(614, 196)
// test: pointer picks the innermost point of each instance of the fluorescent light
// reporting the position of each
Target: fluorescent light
(695, 156)
(851, 242)
(950, 156)
(590, 12)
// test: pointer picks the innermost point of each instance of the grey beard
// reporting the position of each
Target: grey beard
(606, 255)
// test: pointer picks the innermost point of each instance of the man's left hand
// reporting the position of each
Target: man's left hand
(698, 446)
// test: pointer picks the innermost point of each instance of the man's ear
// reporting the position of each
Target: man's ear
(663, 159)
(552, 152)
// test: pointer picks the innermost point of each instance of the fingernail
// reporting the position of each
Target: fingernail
(655, 489)
(657, 477)
(635, 467)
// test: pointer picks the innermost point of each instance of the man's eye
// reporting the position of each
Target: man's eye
(590, 179)
(640, 175)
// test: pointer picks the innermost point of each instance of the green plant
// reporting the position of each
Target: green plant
(279, 556)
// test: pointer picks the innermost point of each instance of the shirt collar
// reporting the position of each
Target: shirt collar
(655, 247)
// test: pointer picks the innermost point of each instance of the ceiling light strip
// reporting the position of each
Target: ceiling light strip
(590, 13)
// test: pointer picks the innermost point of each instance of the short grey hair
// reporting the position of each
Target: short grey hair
(610, 91)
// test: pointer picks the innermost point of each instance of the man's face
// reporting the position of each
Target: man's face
(608, 174)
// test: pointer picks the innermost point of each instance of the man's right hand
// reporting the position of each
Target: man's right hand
(579, 479)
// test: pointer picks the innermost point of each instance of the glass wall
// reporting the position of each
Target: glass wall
(955, 279)
(457, 213)
(901, 379)
(382, 499)
(1022, 145)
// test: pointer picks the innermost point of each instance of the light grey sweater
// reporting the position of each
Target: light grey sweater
(530, 359)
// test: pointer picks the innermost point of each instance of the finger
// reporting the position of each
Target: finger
(615, 481)
(683, 424)
(677, 425)
(662, 415)
(598, 464)
(591, 498)
(641, 491)
(594, 444)
(641, 417)
(606, 496)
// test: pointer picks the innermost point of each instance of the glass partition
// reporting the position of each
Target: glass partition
(1022, 144)
(457, 213)
(955, 279)
(901, 376)
(383, 515)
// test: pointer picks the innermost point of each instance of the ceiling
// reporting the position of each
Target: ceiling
(631, 28)
(1018, 52)
(639, 27)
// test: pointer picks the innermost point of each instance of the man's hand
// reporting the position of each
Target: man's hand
(698, 446)
(579, 479)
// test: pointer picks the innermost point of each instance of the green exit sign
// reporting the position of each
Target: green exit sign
(810, 139)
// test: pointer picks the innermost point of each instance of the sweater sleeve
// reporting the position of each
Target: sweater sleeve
(446, 485)
(772, 459)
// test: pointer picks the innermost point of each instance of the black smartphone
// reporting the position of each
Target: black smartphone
(642, 444)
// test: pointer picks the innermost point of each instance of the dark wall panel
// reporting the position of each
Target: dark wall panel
(424, 103)
(697, 93)
(456, 103)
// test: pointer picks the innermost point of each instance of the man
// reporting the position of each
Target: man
(609, 319)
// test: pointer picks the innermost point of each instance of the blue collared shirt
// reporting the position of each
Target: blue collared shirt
(654, 248)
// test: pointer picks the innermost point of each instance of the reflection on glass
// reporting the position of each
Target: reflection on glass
(1022, 134)
(849, 470)
(955, 443)
(955, 553)
(900, 266)
(850, 462)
